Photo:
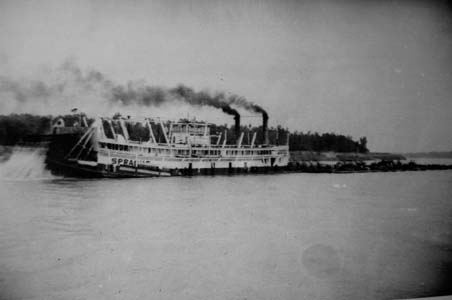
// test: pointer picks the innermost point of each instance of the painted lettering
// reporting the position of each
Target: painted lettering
(123, 161)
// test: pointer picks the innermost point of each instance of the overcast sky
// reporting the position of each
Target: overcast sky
(380, 69)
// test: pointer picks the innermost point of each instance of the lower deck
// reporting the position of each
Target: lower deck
(127, 159)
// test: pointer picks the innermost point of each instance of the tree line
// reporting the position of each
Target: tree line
(15, 127)
(326, 142)
(298, 141)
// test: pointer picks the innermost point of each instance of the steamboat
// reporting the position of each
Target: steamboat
(150, 147)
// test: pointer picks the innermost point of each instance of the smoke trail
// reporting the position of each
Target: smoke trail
(73, 87)
(250, 106)
(25, 91)
(188, 95)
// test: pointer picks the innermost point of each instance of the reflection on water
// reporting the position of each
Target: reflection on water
(294, 236)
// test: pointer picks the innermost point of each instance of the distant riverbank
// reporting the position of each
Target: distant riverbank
(303, 156)
(332, 162)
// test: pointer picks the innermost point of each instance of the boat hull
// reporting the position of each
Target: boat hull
(79, 170)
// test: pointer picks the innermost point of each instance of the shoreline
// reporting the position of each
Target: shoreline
(323, 162)
(362, 167)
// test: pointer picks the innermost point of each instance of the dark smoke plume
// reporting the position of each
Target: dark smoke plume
(191, 97)
(71, 77)
(24, 92)
(242, 102)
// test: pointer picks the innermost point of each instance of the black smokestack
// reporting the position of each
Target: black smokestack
(250, 106)
(265, 127)
(237, 125)
(230, 111)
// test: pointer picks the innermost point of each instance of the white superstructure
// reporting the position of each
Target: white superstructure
(171, 148)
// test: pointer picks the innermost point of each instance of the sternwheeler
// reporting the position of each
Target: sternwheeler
(149, 147)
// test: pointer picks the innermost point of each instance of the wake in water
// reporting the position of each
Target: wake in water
(24, 163)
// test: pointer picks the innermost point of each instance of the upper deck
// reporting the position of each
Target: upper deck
(182, 139)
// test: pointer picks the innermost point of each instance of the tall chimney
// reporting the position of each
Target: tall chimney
(230, 111)
(237, 125)
(265, 127)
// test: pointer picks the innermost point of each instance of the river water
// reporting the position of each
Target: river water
(288, 236)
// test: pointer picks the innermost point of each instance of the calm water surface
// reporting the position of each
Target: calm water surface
(295, 236)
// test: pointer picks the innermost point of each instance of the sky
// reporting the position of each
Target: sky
(380, 69)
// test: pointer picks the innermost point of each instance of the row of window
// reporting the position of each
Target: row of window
(130, 148)
(190, 130)
(248, 152)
